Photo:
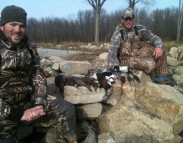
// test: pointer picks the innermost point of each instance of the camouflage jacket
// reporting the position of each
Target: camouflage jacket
(22, 80)
(117, 39)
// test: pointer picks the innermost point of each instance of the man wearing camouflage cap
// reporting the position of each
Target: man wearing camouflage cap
(126, 49)
(23, 99)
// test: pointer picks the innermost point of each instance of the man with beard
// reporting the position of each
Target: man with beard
(127, 49)
(23, 85)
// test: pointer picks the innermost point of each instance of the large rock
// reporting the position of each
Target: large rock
(103, 57)
(172, 61)
(105, 138)
(45, 62)
(181, 52)
(179, 70)
(75, 67)
(82, 95)
(67, 67)
(147, 112)
(134, 112)
(89, 111)
(174, 52)
(130, 122)
(166, 103)
(178, 79)
(114, 94)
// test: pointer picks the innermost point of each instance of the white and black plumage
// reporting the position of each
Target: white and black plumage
(105, 79)
(126, 73)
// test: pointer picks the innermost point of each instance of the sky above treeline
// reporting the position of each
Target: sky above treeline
(69, 8)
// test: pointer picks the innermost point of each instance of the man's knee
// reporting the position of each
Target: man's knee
(64, 107)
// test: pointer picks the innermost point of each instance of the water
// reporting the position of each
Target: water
(44, 52)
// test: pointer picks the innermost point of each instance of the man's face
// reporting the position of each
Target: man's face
(128, 22)
(14, 31)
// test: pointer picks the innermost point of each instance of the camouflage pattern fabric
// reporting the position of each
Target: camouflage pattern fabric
(23, 85)
(64, 124)
(20, 76)
(61, 116)
(128, 12)
(133, 53)
(141, 58)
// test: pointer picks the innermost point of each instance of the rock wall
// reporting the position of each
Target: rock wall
(142, 112)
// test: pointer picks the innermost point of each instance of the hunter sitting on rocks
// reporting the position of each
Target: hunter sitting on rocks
(23, 98)
(126, 49)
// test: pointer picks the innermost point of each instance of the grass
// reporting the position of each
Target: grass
(77, 46)
(170, 44)
(86, 56)
(63, 46)
(82, 57)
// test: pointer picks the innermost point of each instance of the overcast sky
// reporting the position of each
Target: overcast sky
(70, 8)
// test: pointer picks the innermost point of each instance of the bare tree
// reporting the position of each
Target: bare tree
(58, 30)
(132, 3)
(97, 6)
(179, 20)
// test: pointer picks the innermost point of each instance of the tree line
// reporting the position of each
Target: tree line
(163, 22)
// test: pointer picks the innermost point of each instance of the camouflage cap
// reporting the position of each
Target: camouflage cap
(128, 12)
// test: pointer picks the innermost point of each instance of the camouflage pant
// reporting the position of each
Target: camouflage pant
(60, 116)
(142, 59)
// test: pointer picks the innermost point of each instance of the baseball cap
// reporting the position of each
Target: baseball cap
(128, 12)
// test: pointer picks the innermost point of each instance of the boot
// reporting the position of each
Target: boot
(163, 80)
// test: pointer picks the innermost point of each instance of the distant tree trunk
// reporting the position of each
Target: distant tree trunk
(179, 20)
(132, 3)
(97, 25)
(97, 6)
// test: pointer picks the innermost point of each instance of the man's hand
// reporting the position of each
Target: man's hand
(158, 52)
(33, 113)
